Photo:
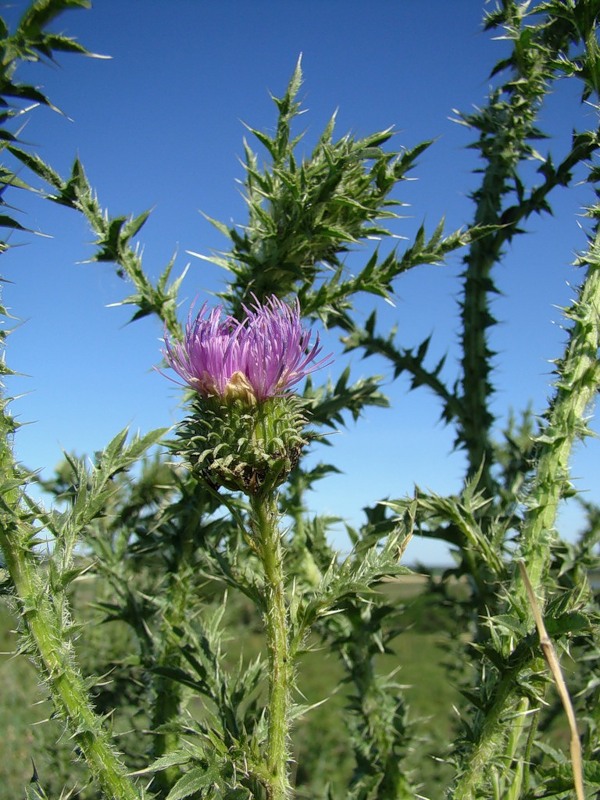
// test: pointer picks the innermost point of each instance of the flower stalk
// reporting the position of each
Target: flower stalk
(268, 544)
(244, 433)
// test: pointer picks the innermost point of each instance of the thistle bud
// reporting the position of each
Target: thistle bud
(245, 428)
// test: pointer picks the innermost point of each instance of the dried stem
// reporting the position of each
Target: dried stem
(561, 687)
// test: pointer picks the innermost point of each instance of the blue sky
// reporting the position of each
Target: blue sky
(160, 125)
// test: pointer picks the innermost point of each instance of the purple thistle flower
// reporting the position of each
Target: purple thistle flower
(262, 356)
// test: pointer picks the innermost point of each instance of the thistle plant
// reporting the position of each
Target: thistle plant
(188, 557)
(244, 433)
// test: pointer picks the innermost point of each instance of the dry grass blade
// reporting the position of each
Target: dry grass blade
(553, 662)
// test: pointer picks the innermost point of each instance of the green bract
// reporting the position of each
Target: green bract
(244, 447)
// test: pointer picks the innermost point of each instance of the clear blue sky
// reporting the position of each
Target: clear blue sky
(160, 126)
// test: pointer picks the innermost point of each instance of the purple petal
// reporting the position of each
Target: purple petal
(268, 352)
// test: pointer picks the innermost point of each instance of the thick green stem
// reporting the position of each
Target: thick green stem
(579, 380)
(507, 126)
(66, 684)
(491, 736)
(266, 530)
(511, 753)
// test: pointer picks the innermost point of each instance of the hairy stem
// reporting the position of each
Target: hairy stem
(264, 521)
(53, 655)
(578, 383)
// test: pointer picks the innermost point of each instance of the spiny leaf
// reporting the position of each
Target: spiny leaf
(197, 779)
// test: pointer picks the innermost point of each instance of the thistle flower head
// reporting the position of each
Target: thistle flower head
(262, 356)
(245, 427)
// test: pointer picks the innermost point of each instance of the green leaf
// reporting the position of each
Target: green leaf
(142, 443)
(36, 165)
(133, 225)
(510, 623)
(571, 622)
(195, 780)
(66, 45)
(25, 92)
(220, 226)
(175, 759)
(180, 676)
(42, 12)
(35, 792)
(9, 222)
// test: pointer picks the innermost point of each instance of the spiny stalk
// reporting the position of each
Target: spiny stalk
(577, 384)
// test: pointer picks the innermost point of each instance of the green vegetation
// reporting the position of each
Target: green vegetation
(319, 739)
